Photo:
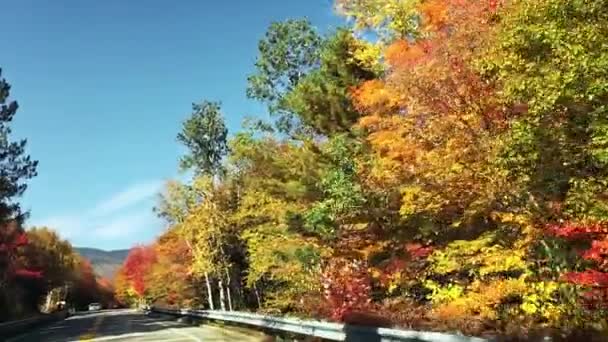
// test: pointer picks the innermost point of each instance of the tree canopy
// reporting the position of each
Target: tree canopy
(441, 164)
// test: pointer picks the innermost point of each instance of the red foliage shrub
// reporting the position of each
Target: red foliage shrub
(12, 238)
(598, 252)
(575, 231)
(347, 288)
(596, 279)
(587, 278)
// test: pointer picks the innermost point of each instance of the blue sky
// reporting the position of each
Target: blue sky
(103, 87)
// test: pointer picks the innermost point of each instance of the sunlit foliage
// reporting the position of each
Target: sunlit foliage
(440, 157)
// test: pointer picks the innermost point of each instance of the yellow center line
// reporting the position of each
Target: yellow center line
(90, 334)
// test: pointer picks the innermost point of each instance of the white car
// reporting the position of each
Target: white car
(94, 306)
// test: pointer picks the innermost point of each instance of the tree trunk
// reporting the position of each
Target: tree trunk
(257, 296)
(228, 290)
(209, 292)
(222, 299)
(239, 292)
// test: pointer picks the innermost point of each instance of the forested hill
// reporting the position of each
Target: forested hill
(105, 263)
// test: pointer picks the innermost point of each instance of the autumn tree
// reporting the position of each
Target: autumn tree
(439, 163)
(321, 98)
(54, 257)
(15, 164)
(38, 262)
(175, 202)
(390, 19)
(278, 181)
(14, 274)
(173, 282)
(202, 231)
(556, 148)
(138, 264)
(288, 51)
(45, 270)
(11, 241)
(15, 168)
(305, 78)
(123, 292)
(302, 184)
(204, 135)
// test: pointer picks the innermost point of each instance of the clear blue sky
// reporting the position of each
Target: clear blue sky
(103, 87)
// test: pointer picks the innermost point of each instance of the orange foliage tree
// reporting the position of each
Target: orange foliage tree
(170, 274)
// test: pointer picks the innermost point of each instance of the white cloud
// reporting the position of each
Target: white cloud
(123, 225)
(119, 217)
(68, 226)
(127, 198)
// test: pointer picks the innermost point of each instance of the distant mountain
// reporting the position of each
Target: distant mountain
(105, 263)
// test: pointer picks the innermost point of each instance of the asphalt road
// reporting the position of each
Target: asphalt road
(131, 325)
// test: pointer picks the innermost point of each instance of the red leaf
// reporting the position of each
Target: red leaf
(347, 287)
(417, 251)
(578, 231)
(587, 278)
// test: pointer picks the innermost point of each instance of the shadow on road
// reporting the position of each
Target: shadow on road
(105, 325)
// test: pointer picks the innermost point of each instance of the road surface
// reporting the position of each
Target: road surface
(131, 325)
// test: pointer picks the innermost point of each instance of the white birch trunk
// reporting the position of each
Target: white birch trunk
(209, 292)
(228, 293)
(222, 299)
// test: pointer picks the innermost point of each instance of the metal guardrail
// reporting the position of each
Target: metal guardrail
(12, 328)
(320, 329)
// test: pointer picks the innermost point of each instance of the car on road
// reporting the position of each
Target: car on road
(94, 306)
